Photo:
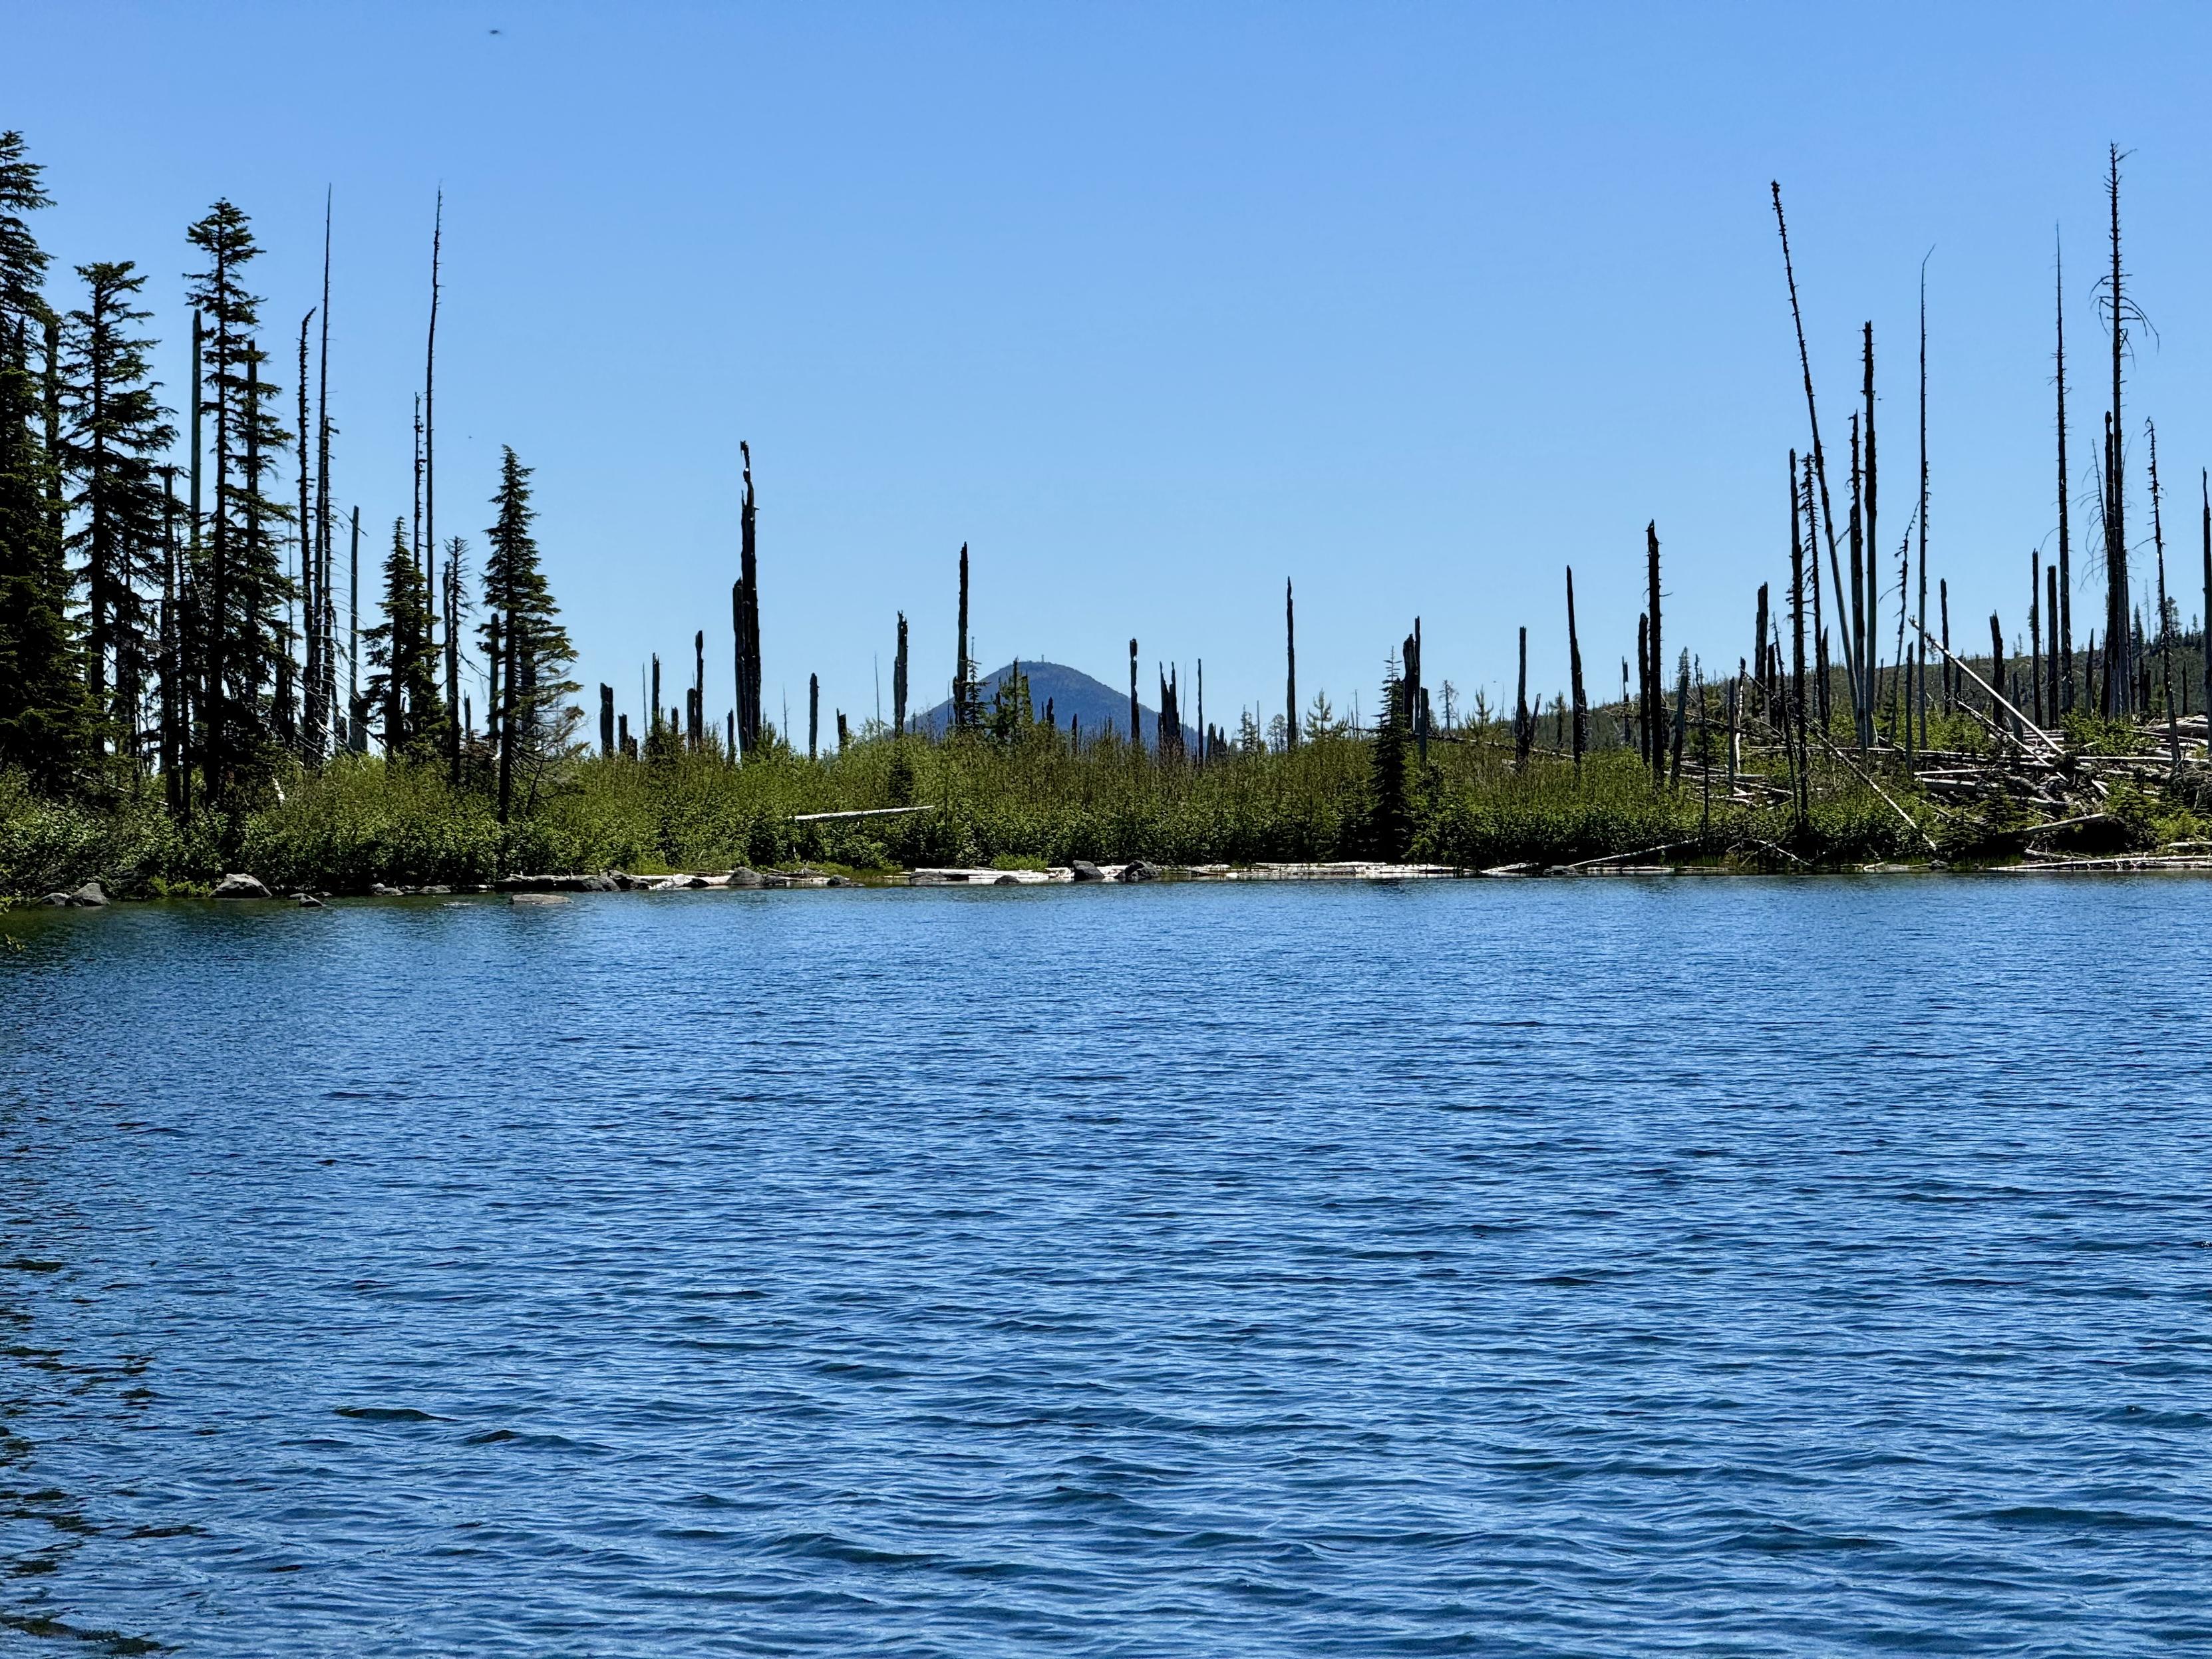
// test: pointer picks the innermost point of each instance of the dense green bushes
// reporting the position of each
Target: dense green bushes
(359, 821)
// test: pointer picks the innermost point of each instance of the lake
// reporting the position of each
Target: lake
(1714, 1266)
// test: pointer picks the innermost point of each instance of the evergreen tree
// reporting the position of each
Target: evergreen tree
(1390, 792)
(114, 430)
(523, 634)
(41, 699)
(405, 687)
(1012, 713)
(241, 588)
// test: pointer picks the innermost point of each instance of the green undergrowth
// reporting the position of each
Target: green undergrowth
(1022, 805)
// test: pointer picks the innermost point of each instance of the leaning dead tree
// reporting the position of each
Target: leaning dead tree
(2117, 698)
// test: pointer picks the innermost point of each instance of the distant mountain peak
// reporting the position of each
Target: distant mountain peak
(1075, 696)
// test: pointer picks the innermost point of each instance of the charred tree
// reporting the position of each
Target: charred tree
(2120, 667)
(2165, 614)
(898, 681)
(1819, 461)
(2064, 618)
(1136, 730)
(1580, 728)
(1655, 696)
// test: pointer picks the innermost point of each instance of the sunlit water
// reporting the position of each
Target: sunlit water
(1714, 1267)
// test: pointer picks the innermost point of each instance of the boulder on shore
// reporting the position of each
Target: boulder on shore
(557, 885)
(240, 886)
(88, 896)
(741, 877)
(1140, 871)
(1086, 871)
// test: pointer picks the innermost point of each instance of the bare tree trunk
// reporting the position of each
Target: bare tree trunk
(2035, 630)
(1682, 715)
(354, 735)
(2064, 618)
(172, 666)
(898, 681)
(1644, 745)
(1820, 460)
(323, 626)
(502, 646)
(1657, 695)
(1524, 730)
(964, 713)
(1575, 676)
(1919, 658)
(2119, 668)
(2051, 609)
(310, 745)
(1870, 673)
(607, 719)
(1136, 728)
(1950, 675)
(1797, 710)
(2165, 627)
(1290, 667)
(1997, 675)
(1759, 648)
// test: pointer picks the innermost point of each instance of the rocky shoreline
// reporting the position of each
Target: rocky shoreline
(532, 889)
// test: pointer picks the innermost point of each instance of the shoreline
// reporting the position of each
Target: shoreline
(535, 889)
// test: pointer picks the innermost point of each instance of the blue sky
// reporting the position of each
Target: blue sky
(1155, 306)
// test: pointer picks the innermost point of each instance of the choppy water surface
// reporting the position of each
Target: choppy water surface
(1732, 1267)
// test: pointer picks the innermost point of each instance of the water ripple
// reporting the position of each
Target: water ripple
(1519, 1268)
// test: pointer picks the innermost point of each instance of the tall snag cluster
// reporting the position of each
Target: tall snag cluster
(176, 618)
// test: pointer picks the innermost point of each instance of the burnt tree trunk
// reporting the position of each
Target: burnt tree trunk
(1581, 728)
(1656, 696)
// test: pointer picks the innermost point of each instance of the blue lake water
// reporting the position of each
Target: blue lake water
(1721, 1267)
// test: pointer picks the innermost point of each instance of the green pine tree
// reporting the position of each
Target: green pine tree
(405, 686)
(241, 586)
(533, 723)
(41, 697)
(114, 431)
(1390, 791)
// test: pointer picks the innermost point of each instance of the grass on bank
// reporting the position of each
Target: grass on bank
(1022, 804)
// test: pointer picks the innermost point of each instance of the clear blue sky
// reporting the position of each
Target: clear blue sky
(1155, 306)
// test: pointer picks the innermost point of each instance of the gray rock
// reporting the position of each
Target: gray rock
(88, 896)
(1086, 871)
(1140, 871)
(536, 898)
(377, 890)
(741, 877)
(843, 881)
(623, 880)
(240, 886)
(308, 901)
(1005, 881)
(56, 901)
